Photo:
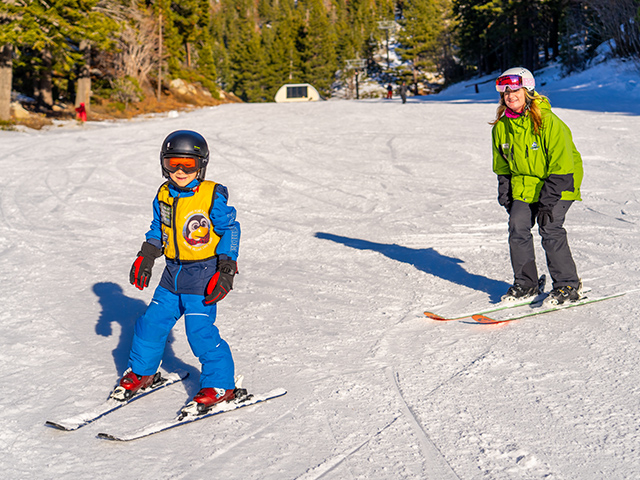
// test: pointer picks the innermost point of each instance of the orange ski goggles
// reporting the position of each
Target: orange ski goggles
(186, 164)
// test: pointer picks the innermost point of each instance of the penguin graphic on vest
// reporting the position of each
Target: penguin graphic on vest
(197, 230)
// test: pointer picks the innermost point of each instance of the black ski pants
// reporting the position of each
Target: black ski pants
(562, 268)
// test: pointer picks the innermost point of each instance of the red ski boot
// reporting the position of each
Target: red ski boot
(131, 383)
(210, 396)
(207, 398)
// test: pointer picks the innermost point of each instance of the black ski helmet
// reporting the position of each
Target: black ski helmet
(185, 143)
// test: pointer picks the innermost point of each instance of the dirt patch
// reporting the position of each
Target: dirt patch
(107, 109)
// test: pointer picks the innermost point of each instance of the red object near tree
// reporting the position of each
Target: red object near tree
(82, 113)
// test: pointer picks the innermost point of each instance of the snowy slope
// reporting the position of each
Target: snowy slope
(356, 217)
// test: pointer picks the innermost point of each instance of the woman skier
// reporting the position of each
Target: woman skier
(539, 175)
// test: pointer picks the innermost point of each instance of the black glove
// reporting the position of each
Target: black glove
(141, 269)
(545, 215)
(222, 281)
(504, 192)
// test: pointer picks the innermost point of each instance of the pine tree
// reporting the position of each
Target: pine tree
(47, 37)
(482, 32)
(423, 24)
(192, 22)
(247, 61)
(317, 40)
(357, 22)
(279, 39)
(496, 34)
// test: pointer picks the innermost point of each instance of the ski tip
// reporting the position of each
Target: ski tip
(484, 319)
(57, 426)
(278, 392)
(433, 316)
(108, 436)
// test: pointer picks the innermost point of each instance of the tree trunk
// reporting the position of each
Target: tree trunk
(83, 93)
(160, 56)
(6, 73)
(554, 36)
(45, 84)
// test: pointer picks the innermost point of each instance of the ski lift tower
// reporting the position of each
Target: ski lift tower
(387, 25)
(357, 65)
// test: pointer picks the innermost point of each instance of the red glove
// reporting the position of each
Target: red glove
(222, 281)
(141, 269)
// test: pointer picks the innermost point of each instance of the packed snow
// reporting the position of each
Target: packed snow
(357, 216)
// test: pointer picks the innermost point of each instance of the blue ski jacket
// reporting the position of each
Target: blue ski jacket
(194, 226)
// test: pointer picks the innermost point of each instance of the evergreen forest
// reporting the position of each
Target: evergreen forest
(122, 51)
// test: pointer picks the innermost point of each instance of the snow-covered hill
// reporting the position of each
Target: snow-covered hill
(356, 217)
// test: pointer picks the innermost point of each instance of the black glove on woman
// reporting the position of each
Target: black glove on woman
(545, 215)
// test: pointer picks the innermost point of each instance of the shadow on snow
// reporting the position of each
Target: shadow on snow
(429, 261)
(119, 309)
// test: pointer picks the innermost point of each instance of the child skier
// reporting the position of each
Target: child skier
(197, 232)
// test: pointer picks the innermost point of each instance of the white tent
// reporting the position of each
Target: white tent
(297, 92)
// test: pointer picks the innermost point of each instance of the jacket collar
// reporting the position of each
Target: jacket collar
(189, 190)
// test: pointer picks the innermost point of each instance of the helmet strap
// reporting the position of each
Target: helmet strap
(183, 189)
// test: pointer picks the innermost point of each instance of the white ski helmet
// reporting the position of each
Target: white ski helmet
(516, 77)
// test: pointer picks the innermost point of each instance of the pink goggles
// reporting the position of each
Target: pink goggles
(513, 82)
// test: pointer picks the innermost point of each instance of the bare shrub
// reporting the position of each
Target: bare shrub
(137, 45)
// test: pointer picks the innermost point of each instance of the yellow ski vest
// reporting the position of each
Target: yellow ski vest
(187, 232)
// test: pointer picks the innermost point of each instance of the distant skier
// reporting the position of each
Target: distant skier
(403, 92)
(539, 175)
(389, 92)
(197, 232)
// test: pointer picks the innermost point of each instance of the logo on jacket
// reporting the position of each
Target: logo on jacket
(197, 230)
(534, 146)
(165, 214)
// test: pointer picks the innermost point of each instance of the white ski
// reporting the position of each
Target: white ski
(111, 404)
(183, 419)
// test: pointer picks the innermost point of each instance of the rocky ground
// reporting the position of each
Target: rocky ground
(179, 95)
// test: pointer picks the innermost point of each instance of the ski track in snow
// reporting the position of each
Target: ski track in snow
(356, 217)
(437, 466)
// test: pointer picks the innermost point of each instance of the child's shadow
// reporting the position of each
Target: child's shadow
(118, 308)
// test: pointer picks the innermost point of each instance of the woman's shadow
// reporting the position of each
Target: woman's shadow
(429, 261)
(119, 309)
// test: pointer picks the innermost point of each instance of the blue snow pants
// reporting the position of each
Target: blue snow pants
(153, 327)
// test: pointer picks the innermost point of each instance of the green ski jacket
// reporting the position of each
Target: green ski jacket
(538, 168)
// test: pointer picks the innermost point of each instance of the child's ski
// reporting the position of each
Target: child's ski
(182, 419)
(483, 319)
(111, 404)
